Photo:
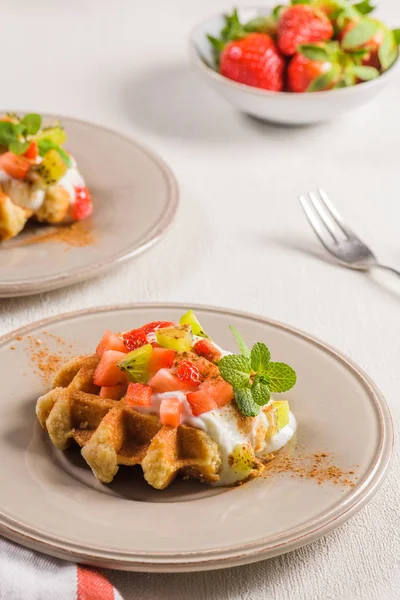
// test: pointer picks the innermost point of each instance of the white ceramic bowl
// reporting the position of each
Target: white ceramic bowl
(278, 107)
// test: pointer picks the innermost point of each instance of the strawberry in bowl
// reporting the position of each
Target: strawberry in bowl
(39, 179)
(261, 60)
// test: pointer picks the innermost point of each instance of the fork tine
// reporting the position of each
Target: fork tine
(325, 236)
(334, 213)
(326, 217)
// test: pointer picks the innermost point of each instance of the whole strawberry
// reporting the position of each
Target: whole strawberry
(253, 60)
(368, 35)
(305, 75)
(302, 24)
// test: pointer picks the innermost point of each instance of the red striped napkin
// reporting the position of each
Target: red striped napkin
(25, 574)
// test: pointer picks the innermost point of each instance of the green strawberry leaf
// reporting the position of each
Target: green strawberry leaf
(240, 342)
(365, 73)
(31, 123)
(388, 51)
(260, 391)
(260, 357)
(276, 13)
(365, 7)
(19, 147)
(361, 34)
(245, 402)
(235, 369)
(313, 52)
(322, 82)
(280, 377)
(261, 25)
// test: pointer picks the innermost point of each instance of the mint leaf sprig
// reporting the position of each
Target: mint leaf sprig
(253, 376)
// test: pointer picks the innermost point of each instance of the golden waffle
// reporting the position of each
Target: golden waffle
(111, 433)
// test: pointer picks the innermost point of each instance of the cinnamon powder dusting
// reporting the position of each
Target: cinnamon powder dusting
(317, 466)
(74, 235)
(46, 362)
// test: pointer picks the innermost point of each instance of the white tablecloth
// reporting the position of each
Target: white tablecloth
(240, 239)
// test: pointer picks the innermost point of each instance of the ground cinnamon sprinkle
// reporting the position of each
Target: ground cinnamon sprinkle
(317, 466)
(46, 362)
(74, 235)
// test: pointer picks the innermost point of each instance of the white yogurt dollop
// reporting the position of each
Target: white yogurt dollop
(223, 426)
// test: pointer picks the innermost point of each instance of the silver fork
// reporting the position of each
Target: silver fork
(338, 239)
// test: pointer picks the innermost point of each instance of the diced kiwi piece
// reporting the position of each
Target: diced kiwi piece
(270, 413)
(52, 167)
(190, 318)
(136, 363)
(243, 461)
(178, 337)
(282, 413)
(55, 134)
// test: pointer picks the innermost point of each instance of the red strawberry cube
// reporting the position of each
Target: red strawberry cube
(110, 341)
(138, 394)
(107, 373)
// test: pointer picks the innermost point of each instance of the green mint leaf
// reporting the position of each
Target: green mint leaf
(365, 73)
(322, 82)
(245, 402)
(302, 1)
(235, 369)
(31, 123)
(9, 132)
(361, 34)
(365, 7)
(313, 52)
(396, 34)
(388, 51)
(240, 342)
(260, 391)
(45, 145)
(259, 357)
(280, 377)
(19, 147)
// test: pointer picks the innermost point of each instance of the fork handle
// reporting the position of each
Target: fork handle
(386, 268)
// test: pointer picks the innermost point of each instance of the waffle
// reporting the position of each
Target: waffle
(111, 433)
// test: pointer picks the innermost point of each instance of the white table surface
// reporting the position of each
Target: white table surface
(240, 239)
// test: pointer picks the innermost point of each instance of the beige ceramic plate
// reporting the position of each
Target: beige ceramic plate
(50, 501)
(135, 200)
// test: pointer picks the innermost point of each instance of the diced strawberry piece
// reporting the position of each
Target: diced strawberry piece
(33, 151)
(187, 371)
(138, 394)
(134, 339)
(208, 350)
(150, 327)
(113, 392)
(201, 402)
(220, 391)
(171, 412)
(110, 341)
(165, 381)
(15, 166)
(161, 358)
(83, 206)
(107, 373)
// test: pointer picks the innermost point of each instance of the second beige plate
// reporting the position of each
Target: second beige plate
(50, 501)
(135, 198)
